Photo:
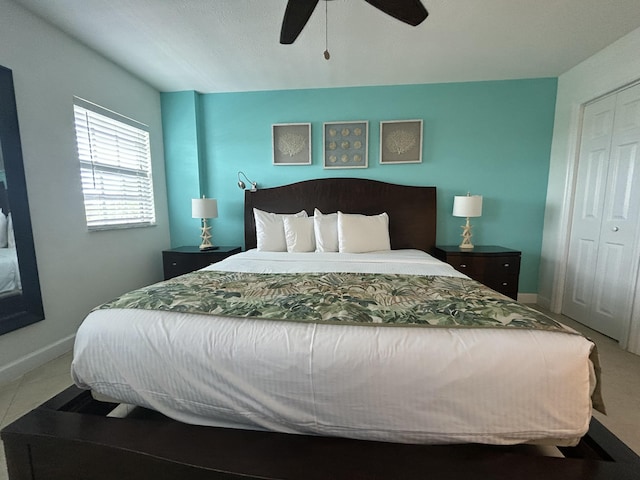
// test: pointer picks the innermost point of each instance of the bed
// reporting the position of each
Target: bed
(375, 424)
(9, 269)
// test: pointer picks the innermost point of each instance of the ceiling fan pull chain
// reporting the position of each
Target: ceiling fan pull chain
(327, 56)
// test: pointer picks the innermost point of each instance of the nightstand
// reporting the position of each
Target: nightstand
(496, 267)
(181, 260)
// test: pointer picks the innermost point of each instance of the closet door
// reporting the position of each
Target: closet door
(602, 268)
(597, 131)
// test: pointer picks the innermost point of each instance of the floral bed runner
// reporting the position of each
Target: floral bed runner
(345, 298)
(339, 298)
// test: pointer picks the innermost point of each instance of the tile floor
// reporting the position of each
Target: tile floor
(620, 380)
(29, 391)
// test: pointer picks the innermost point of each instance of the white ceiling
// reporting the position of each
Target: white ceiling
(233, 45)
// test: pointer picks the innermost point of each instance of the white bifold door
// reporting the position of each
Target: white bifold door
(602, 264)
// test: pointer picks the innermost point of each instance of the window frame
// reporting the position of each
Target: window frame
(98, 129)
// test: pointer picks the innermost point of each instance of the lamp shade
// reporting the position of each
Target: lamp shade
(204, 208)
(467, 206)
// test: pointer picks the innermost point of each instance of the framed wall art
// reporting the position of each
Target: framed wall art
(401, 141)
(345, 144)
(291, 143)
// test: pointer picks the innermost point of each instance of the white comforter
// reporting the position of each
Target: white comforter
(9, 270)
(396, 384)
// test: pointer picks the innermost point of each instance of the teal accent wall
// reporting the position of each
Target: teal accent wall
(184, 166)
(488, 138)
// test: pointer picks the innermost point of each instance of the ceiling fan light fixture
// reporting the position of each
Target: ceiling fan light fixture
(297, 13)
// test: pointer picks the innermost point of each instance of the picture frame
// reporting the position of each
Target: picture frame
(400, 142)
(345, 144)
(291, 143)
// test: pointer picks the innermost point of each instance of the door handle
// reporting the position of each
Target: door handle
(615, 229)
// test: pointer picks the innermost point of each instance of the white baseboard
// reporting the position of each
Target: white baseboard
(528, 298)
(33, 360)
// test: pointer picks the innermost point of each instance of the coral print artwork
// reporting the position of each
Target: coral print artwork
(292, 144)
(401, 142)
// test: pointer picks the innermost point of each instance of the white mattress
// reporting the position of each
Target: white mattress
(9, 270)
(412, 385)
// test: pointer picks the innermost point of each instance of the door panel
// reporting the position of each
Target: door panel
(622, 177)
(592, 197)
(585, 257)
(610, 257)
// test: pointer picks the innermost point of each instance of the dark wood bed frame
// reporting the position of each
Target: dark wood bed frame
(71, 437)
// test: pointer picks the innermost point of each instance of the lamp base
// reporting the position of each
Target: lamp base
(466, 236)
(208, 247)
(205, 235)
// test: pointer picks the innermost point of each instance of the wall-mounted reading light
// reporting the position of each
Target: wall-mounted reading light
(243, 186)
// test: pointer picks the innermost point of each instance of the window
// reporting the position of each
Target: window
(115, 167)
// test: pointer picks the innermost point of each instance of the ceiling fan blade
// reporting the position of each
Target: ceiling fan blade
(296, 16)
(407, 11)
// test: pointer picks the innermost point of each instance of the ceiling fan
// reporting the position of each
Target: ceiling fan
(298, 12)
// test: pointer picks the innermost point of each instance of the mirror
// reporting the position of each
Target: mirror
(20, 298)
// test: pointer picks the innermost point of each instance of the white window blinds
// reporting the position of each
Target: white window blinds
(115, 167)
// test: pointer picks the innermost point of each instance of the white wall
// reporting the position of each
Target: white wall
(615, 66)
(78, 269)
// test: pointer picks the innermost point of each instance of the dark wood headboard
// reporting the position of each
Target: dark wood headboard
(412, 210)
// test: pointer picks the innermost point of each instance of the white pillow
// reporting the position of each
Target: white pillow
(298, 233)
(326, 231)
(3, 230)
(11, 239)
(270, 230)
(362, 233)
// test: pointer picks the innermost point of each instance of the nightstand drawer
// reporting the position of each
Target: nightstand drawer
(181, 260)
(503, 265)
(467, 264)
(506, 284)
(180, 264)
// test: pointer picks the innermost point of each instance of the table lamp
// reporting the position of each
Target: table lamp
(467, 206)
(204, 208)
